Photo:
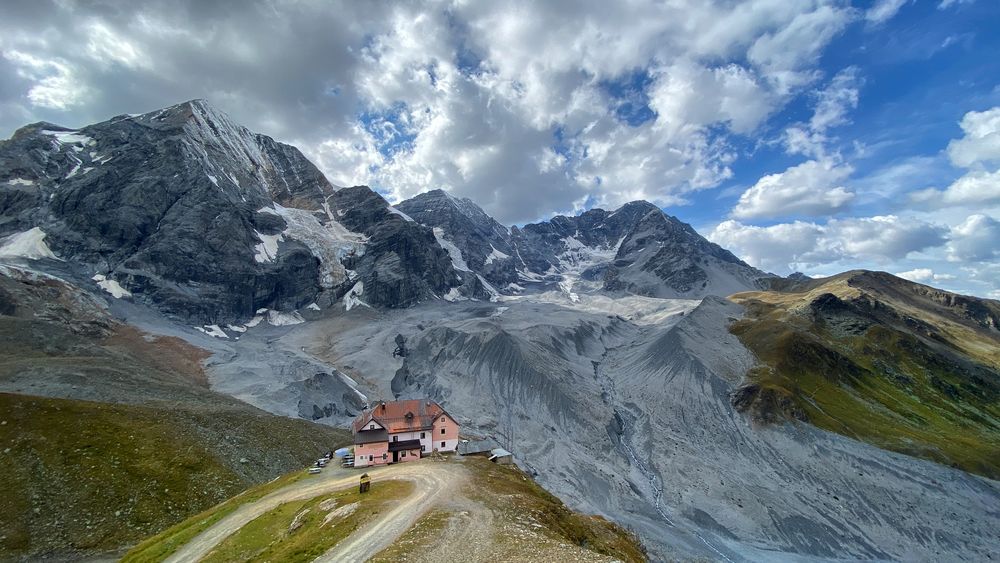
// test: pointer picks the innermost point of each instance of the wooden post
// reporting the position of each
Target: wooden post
(366, 483)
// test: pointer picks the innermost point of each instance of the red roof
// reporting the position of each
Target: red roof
(401, 416)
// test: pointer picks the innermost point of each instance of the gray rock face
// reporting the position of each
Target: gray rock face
(210, 223)
(166, 203)
(631, 418)
(636, 249)
(486, 245)
(402, 262)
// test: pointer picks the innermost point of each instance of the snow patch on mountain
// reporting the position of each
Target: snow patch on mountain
(70, 137)
(457, 261)
(400, 213)
(214, 331)
(330, 242)
(20, 182)
(495, 255)
(352, 297)
(29, 244)
(280, 318)
(494, 294)
(267, 250)
(454, 295)
(111, 286)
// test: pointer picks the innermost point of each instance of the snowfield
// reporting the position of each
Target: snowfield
(29, 244)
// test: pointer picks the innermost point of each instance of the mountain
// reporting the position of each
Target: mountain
(480, 246)
(186, 210)
(623, 407)
(869, 355)
(173, 279)
(165, 204)
(195, 214)
(637, 249)
(401, 262)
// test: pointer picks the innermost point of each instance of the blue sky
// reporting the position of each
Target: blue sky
(811, 135)
(921, 71)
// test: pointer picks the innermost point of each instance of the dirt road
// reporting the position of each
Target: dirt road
(432, 479)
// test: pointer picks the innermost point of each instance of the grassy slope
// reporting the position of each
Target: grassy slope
(511, 496)
(880, 363)
(85, 477)
(295, 532)
(127, 439)
(162, 545)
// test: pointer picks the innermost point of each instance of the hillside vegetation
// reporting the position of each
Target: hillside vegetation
(487, 512)
(900, 365)
(108, 435)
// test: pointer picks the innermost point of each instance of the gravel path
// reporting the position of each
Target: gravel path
(432, 479)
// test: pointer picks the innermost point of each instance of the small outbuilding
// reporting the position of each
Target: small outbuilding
(501, 456)
(473, 447)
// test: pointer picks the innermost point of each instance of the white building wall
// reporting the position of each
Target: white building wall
(426, 441)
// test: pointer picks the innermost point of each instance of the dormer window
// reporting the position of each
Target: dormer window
(372, 427)
(409, 416)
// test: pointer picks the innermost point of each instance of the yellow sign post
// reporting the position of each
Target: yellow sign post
(366, 483)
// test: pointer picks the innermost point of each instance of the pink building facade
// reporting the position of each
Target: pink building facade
(400, 431)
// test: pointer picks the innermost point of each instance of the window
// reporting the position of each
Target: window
(442, 430)
(423, 448)
(384, 456)
(442, 419)
(422, 435)
(372, 427)
(395, 438)
(442, 444)
(371, 457)
(404, 453)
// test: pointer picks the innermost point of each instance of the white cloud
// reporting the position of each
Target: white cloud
(833, 104)
(105, 47)
(979, 151)
(925, 275)
(836, 100)
(781, 248)
(884, 10)
(474, 94)
(981, 143)
(977, 239)
(800, 245)
(55, 85)
(976, 187)
(811, 188)
(783, 53)
(945, 4)
(883, 238)
(692, 96)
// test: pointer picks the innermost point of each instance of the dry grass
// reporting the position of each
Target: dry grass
(523, 522)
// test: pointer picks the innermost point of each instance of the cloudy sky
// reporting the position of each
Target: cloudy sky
(805, 135)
